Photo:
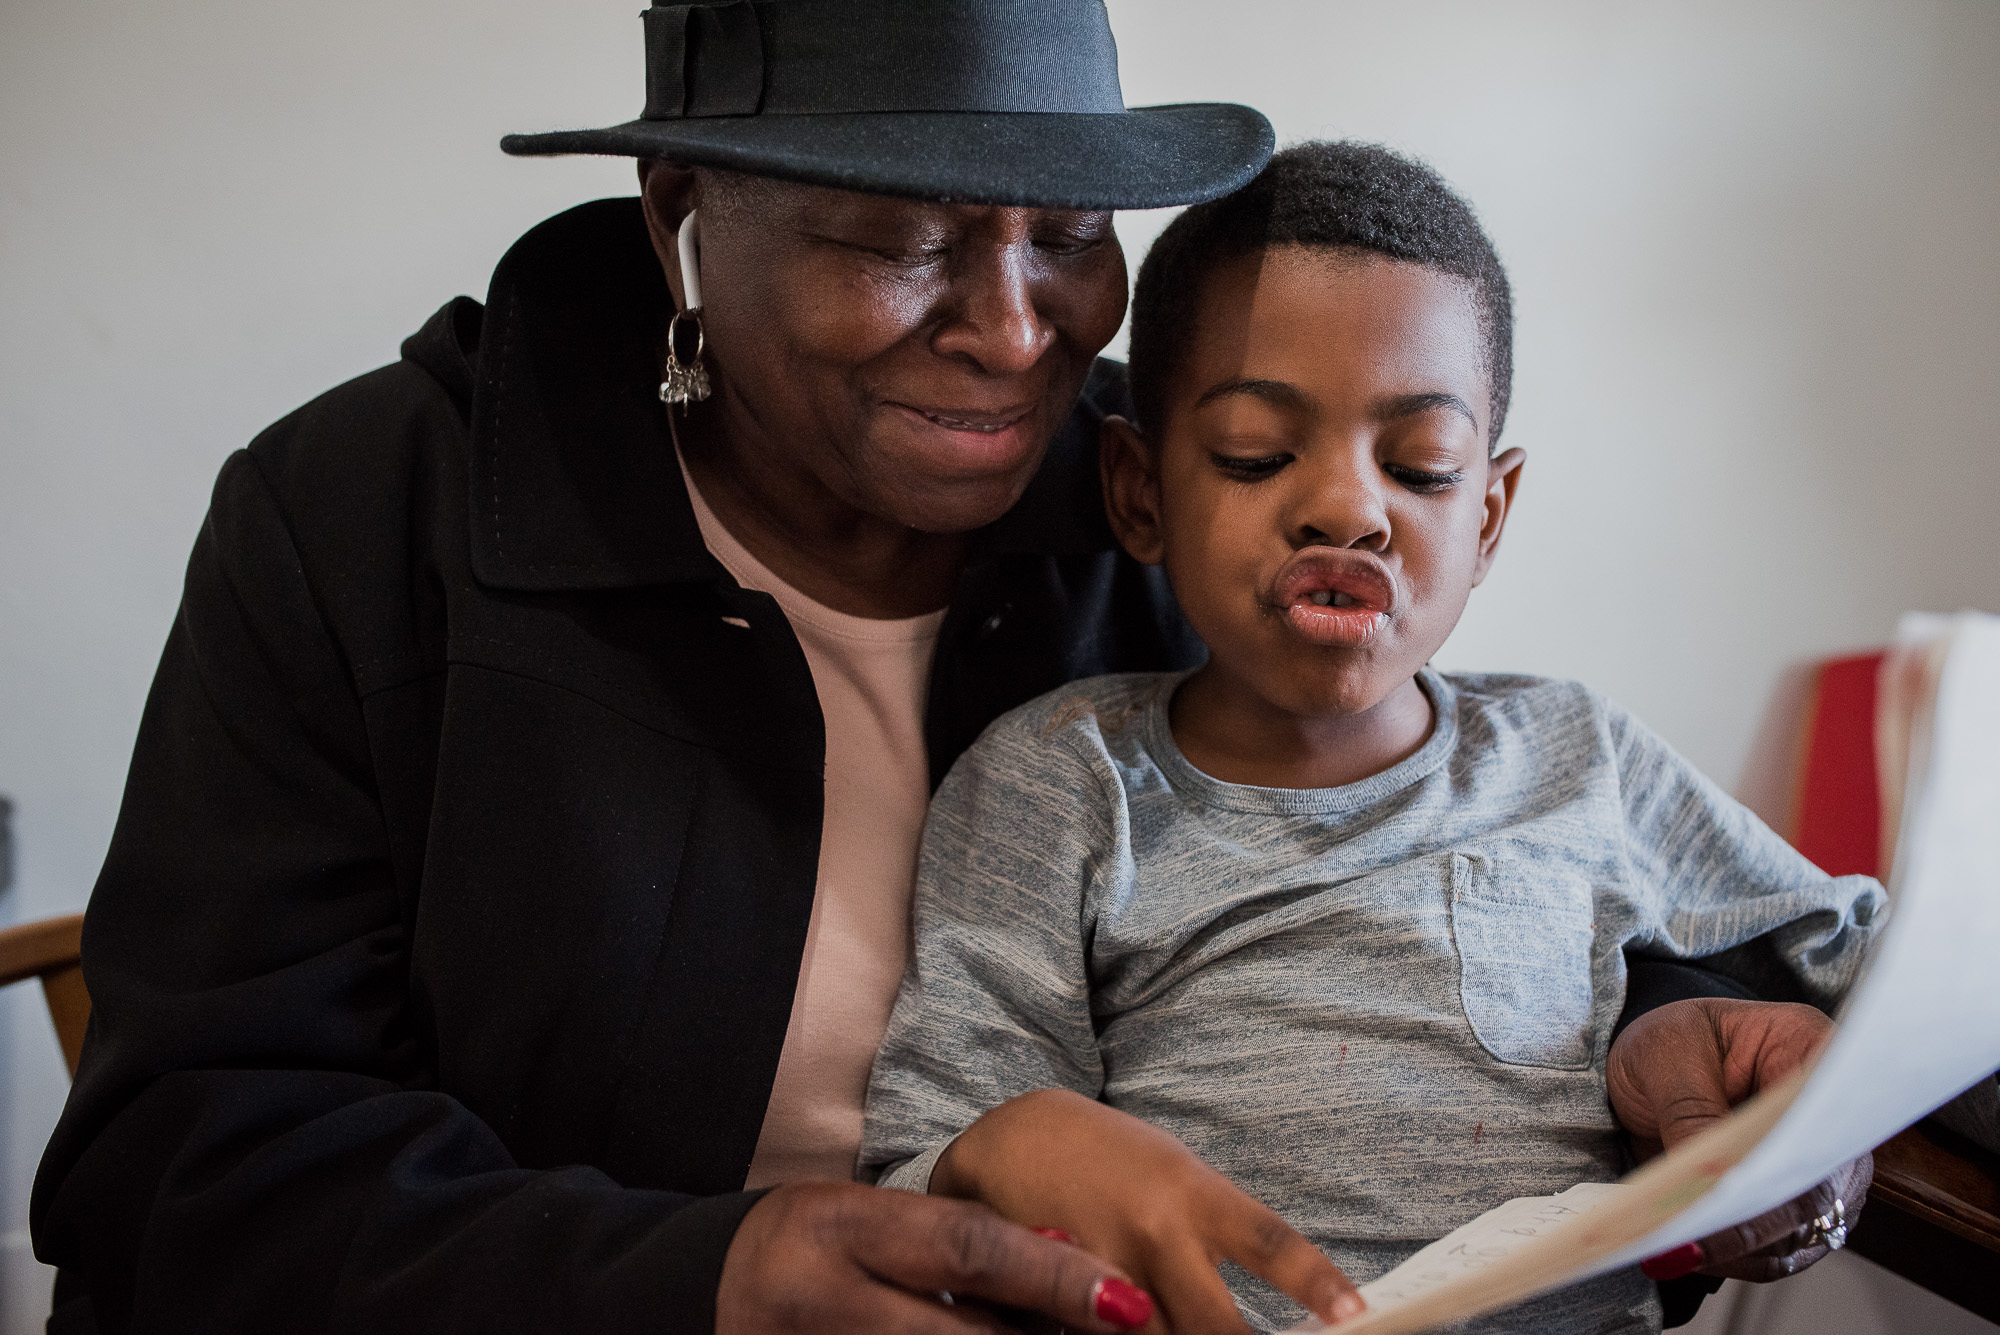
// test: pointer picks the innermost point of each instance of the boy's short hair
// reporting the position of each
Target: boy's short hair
(1338, 196)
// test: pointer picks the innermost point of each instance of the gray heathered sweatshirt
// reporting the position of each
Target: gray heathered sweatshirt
(1381, 1008)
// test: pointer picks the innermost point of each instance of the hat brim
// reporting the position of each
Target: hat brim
(1144, 158)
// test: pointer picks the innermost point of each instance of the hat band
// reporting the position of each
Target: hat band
(820, 57)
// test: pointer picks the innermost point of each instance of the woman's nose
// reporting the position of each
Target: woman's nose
(991, 319)
(1340, 504)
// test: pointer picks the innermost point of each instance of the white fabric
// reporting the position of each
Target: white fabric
(871, 677)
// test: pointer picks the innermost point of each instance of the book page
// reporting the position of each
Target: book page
(1496, 1236)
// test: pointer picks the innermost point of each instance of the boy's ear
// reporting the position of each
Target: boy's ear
(1503, 474)
(1130, 474)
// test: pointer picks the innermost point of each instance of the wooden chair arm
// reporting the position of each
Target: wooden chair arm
(1929, 1172)
(1933, 1216)
(37, 948)
(52, 950)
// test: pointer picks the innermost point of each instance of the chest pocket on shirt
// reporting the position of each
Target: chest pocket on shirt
(1524, 936)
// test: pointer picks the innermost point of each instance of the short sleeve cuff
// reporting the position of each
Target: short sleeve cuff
(914, 1174)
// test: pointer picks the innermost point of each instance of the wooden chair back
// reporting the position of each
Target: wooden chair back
(1812, 775)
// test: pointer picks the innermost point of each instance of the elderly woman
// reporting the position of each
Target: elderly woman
(511, 887)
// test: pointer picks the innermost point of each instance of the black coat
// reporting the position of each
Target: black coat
(447, 940)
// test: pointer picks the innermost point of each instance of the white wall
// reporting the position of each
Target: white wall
(1756, 250)
(1756, 257)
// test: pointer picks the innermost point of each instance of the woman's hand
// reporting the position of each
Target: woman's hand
(832, 1258)
(1133, 1194)
(1678, 1069)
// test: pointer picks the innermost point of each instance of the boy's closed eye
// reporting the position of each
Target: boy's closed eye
(1424, 478)
(1250, 468)
(1425, 481)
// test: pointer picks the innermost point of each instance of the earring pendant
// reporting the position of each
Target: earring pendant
(684, 382)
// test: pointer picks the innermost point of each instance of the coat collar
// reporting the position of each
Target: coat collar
(574, 484)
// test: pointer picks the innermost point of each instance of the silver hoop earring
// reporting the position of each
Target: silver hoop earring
(687, 381)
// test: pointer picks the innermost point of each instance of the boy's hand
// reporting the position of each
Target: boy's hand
(1676, 1070)
(1137, 1197)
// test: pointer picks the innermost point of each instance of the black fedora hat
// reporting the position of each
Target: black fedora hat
(974, 101)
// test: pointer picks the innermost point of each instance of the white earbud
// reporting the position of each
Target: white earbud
(690, 240)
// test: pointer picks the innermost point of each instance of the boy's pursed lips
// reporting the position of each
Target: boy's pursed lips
(1334, 595)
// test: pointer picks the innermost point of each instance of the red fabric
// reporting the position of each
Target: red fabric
(1840, 809)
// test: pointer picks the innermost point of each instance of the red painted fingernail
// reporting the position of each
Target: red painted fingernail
(1682, 1260)
(1122, 1305)
(1055, 1235)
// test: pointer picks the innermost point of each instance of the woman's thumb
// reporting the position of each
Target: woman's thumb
(1686, 1100)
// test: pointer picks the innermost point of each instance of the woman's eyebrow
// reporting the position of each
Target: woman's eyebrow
(1277, 393)
(1409, 405)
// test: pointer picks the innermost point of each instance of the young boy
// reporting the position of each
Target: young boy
(1350, 929)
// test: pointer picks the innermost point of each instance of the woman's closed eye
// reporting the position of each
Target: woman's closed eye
(1067, 241)
(1071, 233)
(912, 257)
(902, 252)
